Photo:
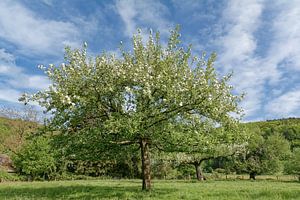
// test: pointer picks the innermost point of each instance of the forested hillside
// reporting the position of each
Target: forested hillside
(13, 133)
(289, 128)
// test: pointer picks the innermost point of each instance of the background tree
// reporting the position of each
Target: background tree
(203, 141)
(293, 165)
(136, 99)
(263, 155)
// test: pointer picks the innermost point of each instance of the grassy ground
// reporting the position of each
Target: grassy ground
(130, 189)
(258, 177)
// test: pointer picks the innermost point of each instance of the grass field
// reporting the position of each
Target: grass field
(131, 189)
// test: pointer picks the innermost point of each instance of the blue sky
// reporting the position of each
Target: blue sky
(258, 40)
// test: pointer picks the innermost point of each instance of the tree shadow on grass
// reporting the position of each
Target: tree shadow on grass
(82, 192)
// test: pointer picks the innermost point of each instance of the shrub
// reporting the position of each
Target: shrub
(293, 166)
(35, 159)
(4, 176)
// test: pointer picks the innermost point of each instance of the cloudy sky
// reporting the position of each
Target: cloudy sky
(258, 40)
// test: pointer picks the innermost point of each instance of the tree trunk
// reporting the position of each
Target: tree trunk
(199, 173)
(146, 171)
(252, 175)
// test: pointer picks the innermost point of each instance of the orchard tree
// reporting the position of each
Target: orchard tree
(264, 155)
(136, 99)
(198, 141)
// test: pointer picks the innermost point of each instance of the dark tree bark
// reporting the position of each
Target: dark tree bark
(199, 173)
(146, 167)
(197, 164)
(252, 175)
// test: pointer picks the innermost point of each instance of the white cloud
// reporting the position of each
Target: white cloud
(238, 44)
(14, 79)
(10, 95)
(127, 13)
(283, 59)
(23, 80)
(136, 14)
(285, 105)
(285, 45)
(8, 68)
(39, 82)
(31, 33)
(242, 19)
(254, 74)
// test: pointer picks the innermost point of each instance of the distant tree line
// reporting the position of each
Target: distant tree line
(273, 148)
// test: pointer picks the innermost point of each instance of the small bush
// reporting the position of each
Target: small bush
(4, 176)
(36, 159)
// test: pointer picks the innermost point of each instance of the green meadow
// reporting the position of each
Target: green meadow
(162, 189)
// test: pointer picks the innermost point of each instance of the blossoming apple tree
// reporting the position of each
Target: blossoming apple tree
(140, 98)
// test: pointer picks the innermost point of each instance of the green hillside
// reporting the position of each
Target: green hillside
(290, 128)
(13, 132)
(276, 122)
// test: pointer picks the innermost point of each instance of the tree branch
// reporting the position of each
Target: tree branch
(125, 142)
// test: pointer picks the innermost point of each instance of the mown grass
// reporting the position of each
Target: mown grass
(246, 177)
(131, 189)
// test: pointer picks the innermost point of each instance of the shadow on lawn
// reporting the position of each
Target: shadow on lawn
(81, 192)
